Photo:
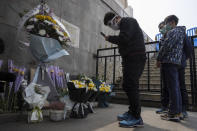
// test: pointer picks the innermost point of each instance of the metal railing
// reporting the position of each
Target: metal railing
(192, 65)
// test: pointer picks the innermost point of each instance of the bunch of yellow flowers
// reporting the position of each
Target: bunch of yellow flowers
(45, 17)
(105, 88)
(91, 86)
(79, 84)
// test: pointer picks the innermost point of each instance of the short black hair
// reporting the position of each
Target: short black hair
(171, 18)
(161, 23)
(2, 46)
(108, 16)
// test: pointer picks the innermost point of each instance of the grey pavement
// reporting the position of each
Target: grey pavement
(105, 120)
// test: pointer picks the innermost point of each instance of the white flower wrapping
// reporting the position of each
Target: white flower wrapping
(36, 100)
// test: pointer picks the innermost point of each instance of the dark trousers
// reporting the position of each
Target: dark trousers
(172, 80)
(164, 91)
(133, 67)
(183, 90)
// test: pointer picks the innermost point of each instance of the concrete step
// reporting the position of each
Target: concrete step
(144, 96)
(152, 88)
(158, 87)
(153, 68)
(157, 79)
(156, 73)
(158, 82)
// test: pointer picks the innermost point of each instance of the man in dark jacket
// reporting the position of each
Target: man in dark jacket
(131, 47)
(171, 56)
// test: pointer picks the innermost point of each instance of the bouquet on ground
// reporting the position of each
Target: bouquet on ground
(80, 91)
(105, 88)
(36, 95)
(92, 92)
(104, 95)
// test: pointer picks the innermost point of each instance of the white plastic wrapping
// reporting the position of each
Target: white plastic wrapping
(35, 99)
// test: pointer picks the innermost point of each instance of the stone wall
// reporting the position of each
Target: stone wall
(87, 15)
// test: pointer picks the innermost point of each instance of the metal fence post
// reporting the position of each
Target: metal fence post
(105, 70)
(97, 59)
(194, 73)
(148, 72)
(114, 68)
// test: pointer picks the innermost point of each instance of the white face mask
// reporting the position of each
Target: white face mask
(113, 24)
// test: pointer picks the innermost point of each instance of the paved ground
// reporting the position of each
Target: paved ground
(105, 120)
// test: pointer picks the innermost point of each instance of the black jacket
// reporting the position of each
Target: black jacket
(130, 39)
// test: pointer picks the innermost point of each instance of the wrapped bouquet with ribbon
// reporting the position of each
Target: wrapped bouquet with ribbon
(80, 91)
(35, 95)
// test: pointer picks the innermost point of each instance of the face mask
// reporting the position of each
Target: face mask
(113, 24)
(168, 27)
(163, 30)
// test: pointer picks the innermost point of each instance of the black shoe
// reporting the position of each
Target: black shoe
(171, 117)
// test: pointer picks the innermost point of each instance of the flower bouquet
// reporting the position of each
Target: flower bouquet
(92, 93)
(80, 91)
(79, 94)
(92, 88)
(104, 94)
(48, 35)
(35, 95)
(44, 25)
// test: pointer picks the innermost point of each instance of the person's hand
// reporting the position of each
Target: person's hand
(106, 38)
(158, 64)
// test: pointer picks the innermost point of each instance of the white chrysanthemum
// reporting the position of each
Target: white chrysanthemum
(60, 38)
(29, 27)
(33, 19)
(42, 32)
(59, 32)
(48, 22)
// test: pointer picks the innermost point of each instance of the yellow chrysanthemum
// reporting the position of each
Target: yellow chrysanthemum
(15, 70)
(22, 72)
(65, 34)
(44, 17)
(91, 85)
(104, 88)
